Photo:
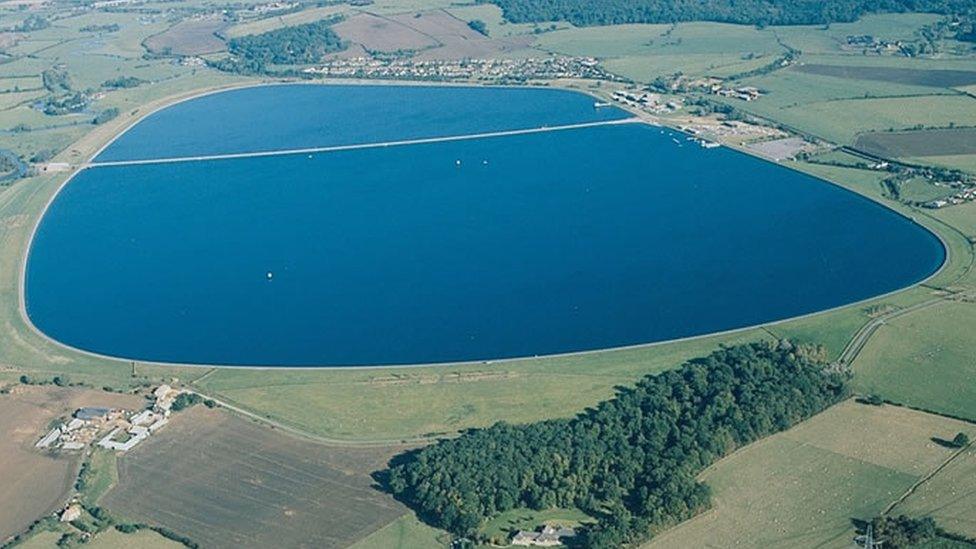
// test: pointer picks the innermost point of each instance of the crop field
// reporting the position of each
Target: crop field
(803, 487)
(457, 40)
(227, 482)
(937, 142)
(377, 33)
(915, 77)
(926, 360)
(438, 34)
(949, 497)
(190, 37)
(36, 483)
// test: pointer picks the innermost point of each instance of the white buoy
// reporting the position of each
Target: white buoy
(457, 162)
(270, 275)
(484, 162)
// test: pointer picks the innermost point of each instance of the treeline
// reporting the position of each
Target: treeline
(903, 532)
(748, 12)
(631, 461)
(298, 45)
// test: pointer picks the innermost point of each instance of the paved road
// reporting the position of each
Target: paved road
(311, 150)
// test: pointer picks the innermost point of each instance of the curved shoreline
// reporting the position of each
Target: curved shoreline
(21, 285)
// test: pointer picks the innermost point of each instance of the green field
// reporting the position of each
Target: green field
(949, 497)
(803, 487)
(111, 539)
(404, 533)
(501, 527)
(926, 359)
(392, 404)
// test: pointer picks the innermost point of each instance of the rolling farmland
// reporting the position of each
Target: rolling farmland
(224, 481)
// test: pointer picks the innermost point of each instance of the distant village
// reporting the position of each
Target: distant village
(110, 428)
(493, 70)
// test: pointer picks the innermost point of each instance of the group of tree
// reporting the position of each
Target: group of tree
(631, 461)
(56, 79)
(111, 27)
(749, 12)
(123, 82)
(903, 532)
(298, 45)
(479, 26)
(33, 23)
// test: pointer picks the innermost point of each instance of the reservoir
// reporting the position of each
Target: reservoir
(496, 247)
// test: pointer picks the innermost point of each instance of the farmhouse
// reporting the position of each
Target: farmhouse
(548, 536)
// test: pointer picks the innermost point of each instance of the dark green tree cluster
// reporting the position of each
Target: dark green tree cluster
(631, 461)
(123, 82)
(107, 115)
(298, 45)
(904, 531)
(749, 12)
(479, 26)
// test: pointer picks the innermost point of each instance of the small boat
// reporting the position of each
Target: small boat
(270, 275)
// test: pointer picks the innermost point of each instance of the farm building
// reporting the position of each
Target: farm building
(548, 536)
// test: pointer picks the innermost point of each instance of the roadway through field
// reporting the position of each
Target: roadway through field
(334, 148)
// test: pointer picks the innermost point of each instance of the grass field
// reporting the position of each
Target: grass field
(229, 482)
(949, 497)
(962, 216)
(964, 162)
(111, 539)
(104, 464)
(926, 360)
(274, 22)
(404, 533)
(842, 120)
(388, 405)
(803, 487)
(502, 527)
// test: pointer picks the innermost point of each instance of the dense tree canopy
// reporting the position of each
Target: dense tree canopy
(298, 45)
(750, 12)
(631, 461)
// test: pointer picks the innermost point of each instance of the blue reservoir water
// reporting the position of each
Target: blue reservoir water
(303, 116)
(464, 250)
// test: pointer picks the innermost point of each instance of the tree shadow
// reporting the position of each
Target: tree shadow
(945, 443)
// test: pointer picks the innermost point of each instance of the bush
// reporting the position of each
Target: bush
(960, 440)
(186, 400)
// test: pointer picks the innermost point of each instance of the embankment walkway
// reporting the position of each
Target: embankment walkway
(334, 148)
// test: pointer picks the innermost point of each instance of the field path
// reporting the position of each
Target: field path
(334, 148)
(860, 339)
(307, 435)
